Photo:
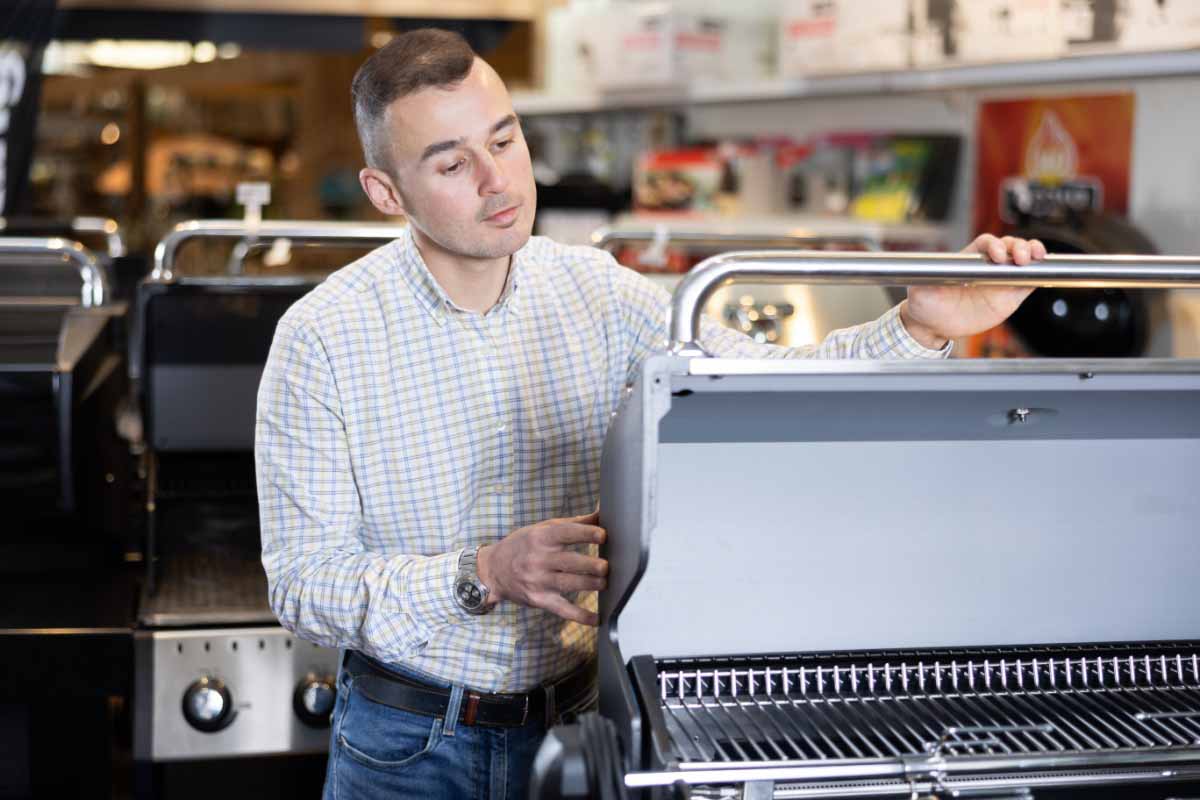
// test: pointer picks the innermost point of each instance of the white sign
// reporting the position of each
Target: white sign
(253, 195)
(12, 86)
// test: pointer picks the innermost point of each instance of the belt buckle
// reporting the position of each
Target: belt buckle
(471, 709)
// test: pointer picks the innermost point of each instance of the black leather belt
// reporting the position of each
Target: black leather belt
(382, 685)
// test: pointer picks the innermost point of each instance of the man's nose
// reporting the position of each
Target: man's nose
(492, 180)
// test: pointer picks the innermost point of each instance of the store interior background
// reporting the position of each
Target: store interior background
(152, 112)
(259, 92)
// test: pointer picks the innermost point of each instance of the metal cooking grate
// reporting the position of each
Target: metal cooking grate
(951, 708)
(206, 588)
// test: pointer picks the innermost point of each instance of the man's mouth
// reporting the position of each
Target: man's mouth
(504, 216)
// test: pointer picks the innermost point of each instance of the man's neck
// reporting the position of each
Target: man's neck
(472, 284)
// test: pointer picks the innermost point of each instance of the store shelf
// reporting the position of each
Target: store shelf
(1096, 67)
(466, 9)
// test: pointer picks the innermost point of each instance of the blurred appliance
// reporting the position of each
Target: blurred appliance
(216, 675)
(783, 315)
(966, 647)
(101, 235)
(1095, 323)
(65, 598)
(61, 376)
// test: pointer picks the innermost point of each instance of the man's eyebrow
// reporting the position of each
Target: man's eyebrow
(450, 144)
(440, 147)
(511, 119)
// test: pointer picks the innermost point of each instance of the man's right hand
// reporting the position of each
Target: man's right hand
(532, 566)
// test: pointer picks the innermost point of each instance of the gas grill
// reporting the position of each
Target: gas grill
(896, 578)
(216, 675)
(61, 375)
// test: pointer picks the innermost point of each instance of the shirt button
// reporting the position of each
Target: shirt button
(502, 427)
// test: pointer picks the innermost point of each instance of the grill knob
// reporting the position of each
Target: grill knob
(313, 700)
(207, 705)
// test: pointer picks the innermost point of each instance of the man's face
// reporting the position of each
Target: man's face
(463, 169)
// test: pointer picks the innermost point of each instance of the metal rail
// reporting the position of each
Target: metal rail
(909, 269)
(101, 225)
(299, 230)
(108, 227)
(95, 288)
(607, 238)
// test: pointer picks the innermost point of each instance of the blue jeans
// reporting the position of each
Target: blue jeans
(383, 753)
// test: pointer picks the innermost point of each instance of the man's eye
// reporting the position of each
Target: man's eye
(453, 168)
(501, 145)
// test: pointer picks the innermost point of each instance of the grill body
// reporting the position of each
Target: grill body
(859, 579)
(206, 629)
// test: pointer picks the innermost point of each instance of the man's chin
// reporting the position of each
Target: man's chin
(506, 241)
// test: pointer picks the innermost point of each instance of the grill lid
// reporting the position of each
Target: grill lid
(922, 505)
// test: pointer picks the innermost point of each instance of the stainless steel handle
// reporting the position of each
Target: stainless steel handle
(299, 230)
(115, 244)
(108, 227)
(607, 238)
(907, 269)
(95, 289)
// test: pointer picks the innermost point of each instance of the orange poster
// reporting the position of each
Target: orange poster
(1049, 157)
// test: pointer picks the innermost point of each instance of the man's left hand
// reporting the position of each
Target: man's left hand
(935, 314)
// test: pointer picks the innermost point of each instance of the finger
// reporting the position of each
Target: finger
(577, 563)
(996, 250)
(561, 607)
(576, 533)
(1038, 249)
(1021, 254)
(564, 582)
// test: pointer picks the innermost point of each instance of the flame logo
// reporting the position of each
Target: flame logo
(1051, 156)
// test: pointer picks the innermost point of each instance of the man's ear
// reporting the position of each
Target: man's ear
(381, 191)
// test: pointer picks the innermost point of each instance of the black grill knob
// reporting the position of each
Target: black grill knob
(313, 700)
(207, 705)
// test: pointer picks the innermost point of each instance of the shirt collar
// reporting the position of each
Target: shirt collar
(430, 294)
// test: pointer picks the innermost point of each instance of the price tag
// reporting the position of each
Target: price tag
(253, 195)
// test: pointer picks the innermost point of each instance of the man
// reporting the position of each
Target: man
(429, 431)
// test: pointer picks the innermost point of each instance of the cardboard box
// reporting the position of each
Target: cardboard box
(828, 36)
(637, 46)
(1160, 25)
(1008, 30)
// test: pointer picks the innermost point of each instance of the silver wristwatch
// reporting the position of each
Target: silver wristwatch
(469, 592)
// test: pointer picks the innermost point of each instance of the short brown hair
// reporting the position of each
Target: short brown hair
(408, 63)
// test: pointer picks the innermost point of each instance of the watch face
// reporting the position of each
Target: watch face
(469, 594)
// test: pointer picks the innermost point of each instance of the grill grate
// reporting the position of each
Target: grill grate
(206, 588)
(1005, 706)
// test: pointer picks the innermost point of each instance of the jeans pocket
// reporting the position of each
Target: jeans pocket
(382, 737)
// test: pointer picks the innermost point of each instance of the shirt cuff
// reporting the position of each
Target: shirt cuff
(427, 592)
(901, 343)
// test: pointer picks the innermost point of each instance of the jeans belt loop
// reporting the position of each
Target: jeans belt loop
(452, 710)
(551, 711)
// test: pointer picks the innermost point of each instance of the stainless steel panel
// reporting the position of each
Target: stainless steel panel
(261, 668)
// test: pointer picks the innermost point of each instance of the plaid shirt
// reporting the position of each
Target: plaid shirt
(395, 430)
